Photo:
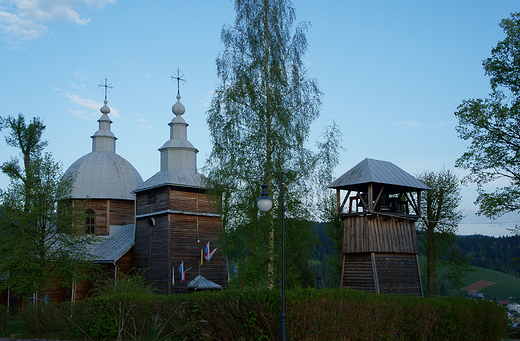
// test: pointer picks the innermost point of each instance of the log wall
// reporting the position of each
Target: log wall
(382, 273)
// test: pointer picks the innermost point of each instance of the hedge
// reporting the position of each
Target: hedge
(333, 314)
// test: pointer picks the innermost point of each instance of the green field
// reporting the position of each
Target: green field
(506, 285)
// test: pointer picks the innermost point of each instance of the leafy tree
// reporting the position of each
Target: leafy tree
(438, 228)
(40, 243)
(492, 125)
(259, 121)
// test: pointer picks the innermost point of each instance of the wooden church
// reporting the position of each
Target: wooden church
(380, 206)
(155, 225)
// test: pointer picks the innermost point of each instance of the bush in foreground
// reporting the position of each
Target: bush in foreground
(254, 315)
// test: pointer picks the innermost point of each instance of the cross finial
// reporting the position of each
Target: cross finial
(106, 86)
(179, 79)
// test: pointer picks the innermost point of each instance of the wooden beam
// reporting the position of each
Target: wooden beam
(419, 273)
(370, 198)
(338, 199)
(374, 270)
(378, 196)
(360, 194)
(411, 200)
(419, 203)
(343, 270)
(340, 208)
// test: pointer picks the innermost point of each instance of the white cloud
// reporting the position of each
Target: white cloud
(94, 106)
(78, 86)
(143, 123)
(81, 75)
(26, 19)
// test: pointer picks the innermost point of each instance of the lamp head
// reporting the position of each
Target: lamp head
(264, 203)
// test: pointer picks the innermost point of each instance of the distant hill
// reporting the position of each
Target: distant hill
(506, 285)
(494, 253)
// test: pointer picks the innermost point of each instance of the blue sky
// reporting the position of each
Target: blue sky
(392, 74)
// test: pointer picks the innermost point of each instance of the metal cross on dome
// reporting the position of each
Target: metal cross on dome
(106, 86)
(179, 79)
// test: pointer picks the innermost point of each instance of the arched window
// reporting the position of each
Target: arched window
(151, 222)
(90, 221)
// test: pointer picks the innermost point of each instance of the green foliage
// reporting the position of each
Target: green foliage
(127, 285)
(438, 227)
(491, 125)
(49, 318)
(39, 243)
(311, 314)
(259, 121)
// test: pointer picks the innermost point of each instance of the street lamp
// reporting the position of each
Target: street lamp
(265, 203)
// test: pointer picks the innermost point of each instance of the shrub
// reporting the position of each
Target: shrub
(47, 318)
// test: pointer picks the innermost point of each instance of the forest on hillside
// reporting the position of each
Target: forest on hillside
(494, 253)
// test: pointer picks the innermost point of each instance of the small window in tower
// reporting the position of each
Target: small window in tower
(151, 222)
(90, 221)
(151, 198)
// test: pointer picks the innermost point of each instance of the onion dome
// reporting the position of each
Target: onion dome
(178, 156)
(103, 174)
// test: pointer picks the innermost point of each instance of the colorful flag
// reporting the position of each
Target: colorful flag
(173, 276)
(211, 254)
(208, 254)
(183, 273)
(201, 257)
(206, 251)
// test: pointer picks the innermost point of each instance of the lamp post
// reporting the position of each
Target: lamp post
(265, 203)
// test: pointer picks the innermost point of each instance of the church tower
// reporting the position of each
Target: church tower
(175, 218)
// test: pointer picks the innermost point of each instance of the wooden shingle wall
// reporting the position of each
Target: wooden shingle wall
(151, 251)
(109, 212)
(379, 234)
(185, 220)
(380, 255)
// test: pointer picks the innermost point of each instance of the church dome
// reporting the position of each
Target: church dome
(103, 175)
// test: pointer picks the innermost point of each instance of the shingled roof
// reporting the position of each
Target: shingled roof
(370, 171)
(111, 248)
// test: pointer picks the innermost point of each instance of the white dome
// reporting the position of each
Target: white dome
(104, 175)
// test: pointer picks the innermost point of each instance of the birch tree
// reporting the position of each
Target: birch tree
(260, 121)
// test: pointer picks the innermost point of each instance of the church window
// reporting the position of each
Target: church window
(151, 222)
(90, 221)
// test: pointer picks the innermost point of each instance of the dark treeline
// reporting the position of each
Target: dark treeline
(494, 253)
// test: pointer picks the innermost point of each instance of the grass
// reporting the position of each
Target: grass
(14, 326)
(506, 285)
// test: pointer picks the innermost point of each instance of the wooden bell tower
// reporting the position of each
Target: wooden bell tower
(379, 240)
